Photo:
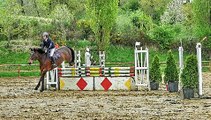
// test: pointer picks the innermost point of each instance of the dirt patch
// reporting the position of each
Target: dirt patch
(18, 100)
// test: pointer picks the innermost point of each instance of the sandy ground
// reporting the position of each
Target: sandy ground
(18, 100)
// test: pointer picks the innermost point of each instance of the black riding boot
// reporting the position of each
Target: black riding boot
(53, 62)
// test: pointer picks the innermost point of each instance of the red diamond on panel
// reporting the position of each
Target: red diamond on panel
(81, 83)
(106, 84)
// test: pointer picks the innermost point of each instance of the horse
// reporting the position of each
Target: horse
(63, 54)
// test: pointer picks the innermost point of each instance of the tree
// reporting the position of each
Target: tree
(8, 11)
(102, 14)
(174, 13)
(164, 35)
(37, 8)
(189, 77)
(129, 5)
(62, 19)
(171, 73)
(75, 7)
(154, 8)
(155, 71)
(142, 21)
(202, 23)
(201, 18)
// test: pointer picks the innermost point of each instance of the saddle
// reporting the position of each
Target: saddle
(56, 55)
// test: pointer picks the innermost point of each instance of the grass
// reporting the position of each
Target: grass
(14, 58)
(16, 74)
(119, 54)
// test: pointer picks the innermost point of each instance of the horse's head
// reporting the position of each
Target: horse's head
(35, 54)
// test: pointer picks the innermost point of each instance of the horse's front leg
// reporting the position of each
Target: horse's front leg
(42, 78)
(38, 84)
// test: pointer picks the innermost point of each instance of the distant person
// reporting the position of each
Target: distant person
(48, 46)
(87, 58)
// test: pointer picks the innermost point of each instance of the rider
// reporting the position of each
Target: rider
(48, 46)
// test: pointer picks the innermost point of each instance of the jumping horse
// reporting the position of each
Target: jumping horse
(62, 54)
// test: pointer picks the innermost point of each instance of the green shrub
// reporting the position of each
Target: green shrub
(142, 21)
(131, 27)
(171, 73)
(164, 35)
(189, 77)
(129, 5)
(155, 72)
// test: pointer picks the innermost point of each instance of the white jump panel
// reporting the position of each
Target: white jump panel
(76, 83)
(97, 83)
(113, 83)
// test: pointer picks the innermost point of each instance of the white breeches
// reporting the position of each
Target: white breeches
(52, 52)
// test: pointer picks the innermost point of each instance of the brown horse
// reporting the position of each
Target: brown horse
(63, 54)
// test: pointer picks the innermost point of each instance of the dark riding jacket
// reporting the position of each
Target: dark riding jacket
(48, 44)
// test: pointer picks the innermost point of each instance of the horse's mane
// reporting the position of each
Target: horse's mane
(39, 50)
(60, 48)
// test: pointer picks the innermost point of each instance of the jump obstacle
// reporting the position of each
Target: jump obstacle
(101, 77)
(112, 78)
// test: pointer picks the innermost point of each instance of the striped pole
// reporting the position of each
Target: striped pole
(89, 71)
(102, 58)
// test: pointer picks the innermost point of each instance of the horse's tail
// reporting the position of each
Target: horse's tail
(73, 56)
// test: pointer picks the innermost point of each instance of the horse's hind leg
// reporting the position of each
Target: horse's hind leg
(71, 63)
(41, 80)
(71, 57)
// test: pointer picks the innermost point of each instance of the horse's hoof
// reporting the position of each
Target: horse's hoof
(36, 88)
(72, 63)
(41, 90)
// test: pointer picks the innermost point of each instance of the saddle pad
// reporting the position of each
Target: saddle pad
(56, 55)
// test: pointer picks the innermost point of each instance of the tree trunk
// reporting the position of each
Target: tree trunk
(101, 33)
(100, 41)
(8, 40)
(35, 5)
(50, 6)
(22, 7)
